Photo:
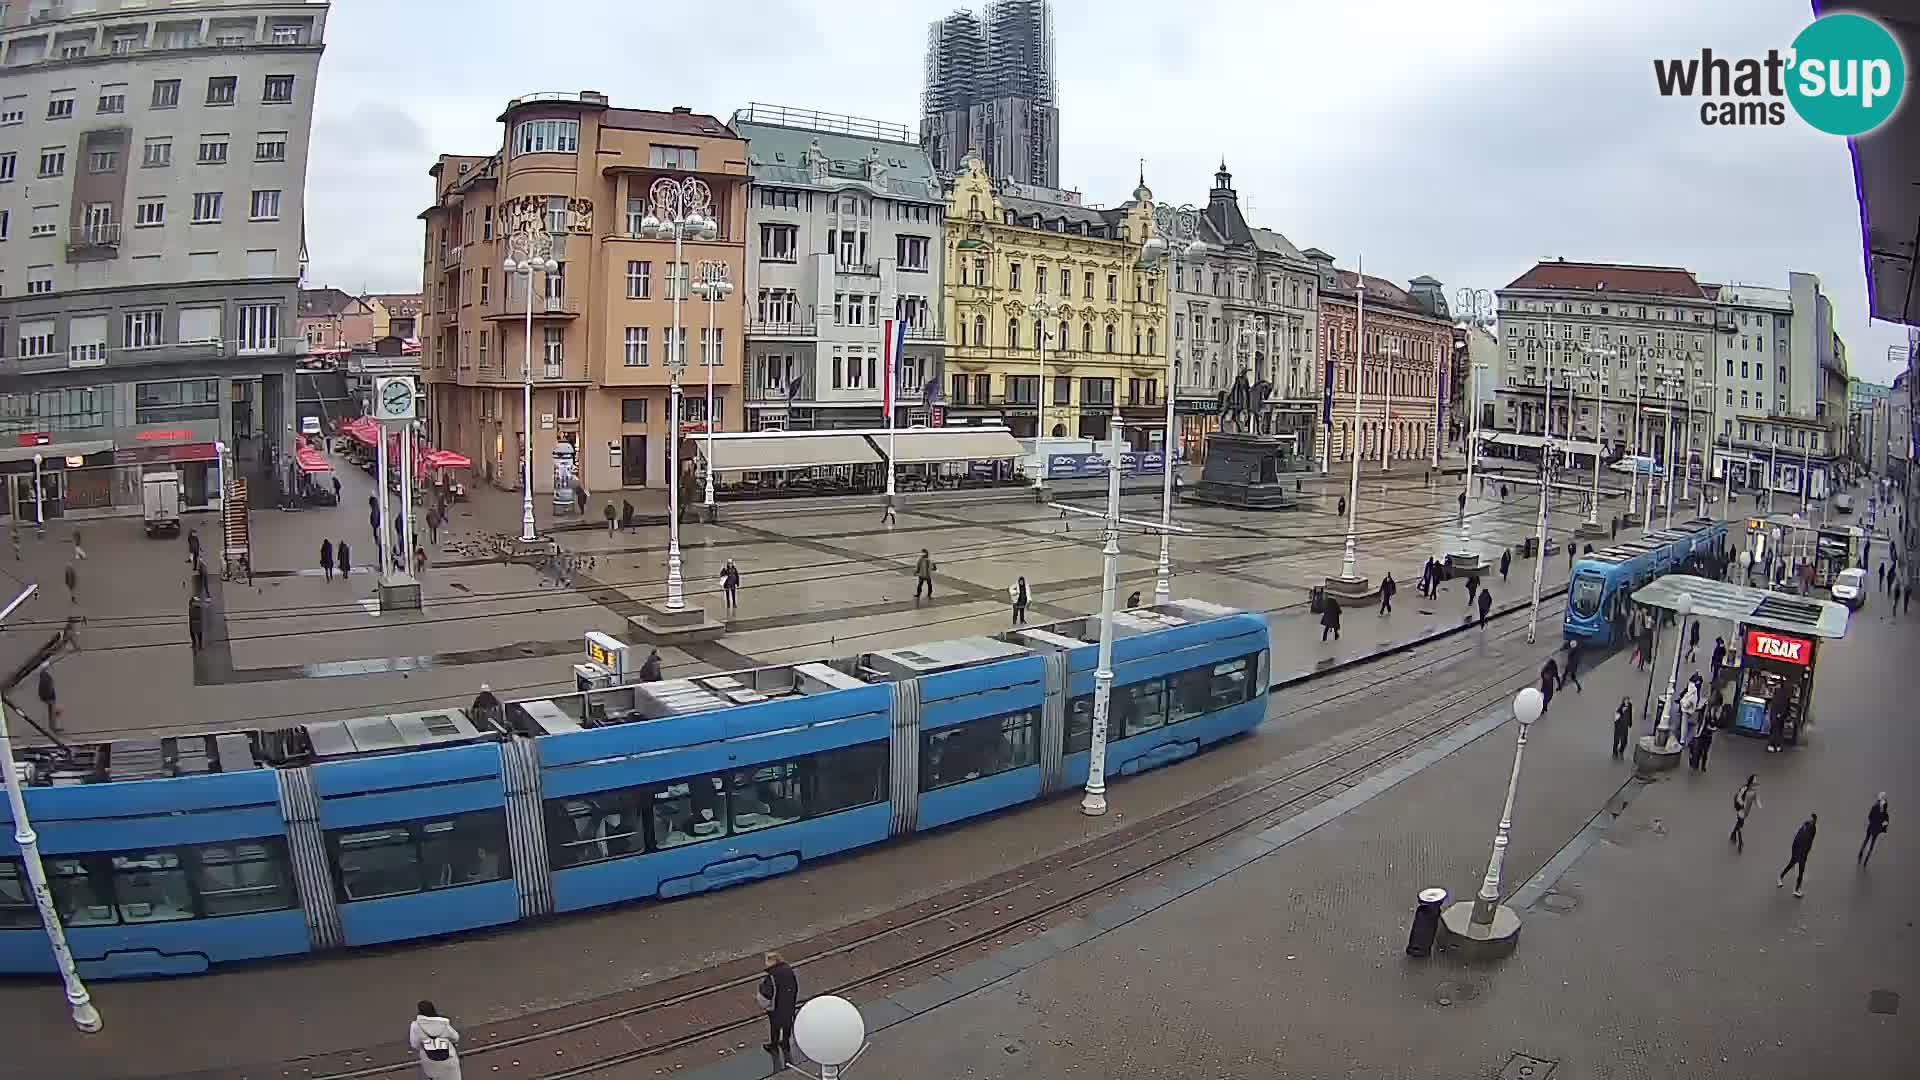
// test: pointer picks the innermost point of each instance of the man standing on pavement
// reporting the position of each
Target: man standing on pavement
(1473, 586)
(730, 584)
(1877, 820)
(1703, 741)
(48, 698)
(1745, 801)
(1387, 589)
(1802, 847)
(1549, 682)
(326, 558)
(1693, 641)
(780, 995)
(346, 560)
(1486, 605)
(193, 546)
(1719, 660)
(1622, 726)
(923, 575)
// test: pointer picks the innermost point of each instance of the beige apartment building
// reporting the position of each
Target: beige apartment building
(577, 172)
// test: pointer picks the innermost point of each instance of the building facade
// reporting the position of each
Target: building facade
(990, 91)
(575, 174)
(152, 175)
(395, 315)
(1780, 414)
(1043, 295)
(331, 320)
(1404, 354)
(1476, 361)
(1867, 424)
(844, 232)
(1244, 304)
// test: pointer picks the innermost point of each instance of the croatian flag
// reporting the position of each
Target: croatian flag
(893, 345)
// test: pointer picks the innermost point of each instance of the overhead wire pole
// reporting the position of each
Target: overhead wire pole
(1546, 494)
(1348, 571)
(79, 1002)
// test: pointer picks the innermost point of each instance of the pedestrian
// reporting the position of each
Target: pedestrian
(196, 623)
(1622, 726)
(626, 513)
(1643, 652)
(434, 1041)
(419, 560)
(200, 586)
(193, 546)
(650, 667)
(49, 698)
(612, 517)
(1571, 555)
(345, 554)
(1133, 599)
(1717, 661)
(73, 585)
(1387, 588)
(1802, 847)
(486, 707)
(434, 517)
(730, 584)
(1882, 572)
(326, 558)
(923, 575)
(1616, 527)
(887, 514)
(1506, 563)
(1020, 596)
(1343, 506)
(1329, 618)
(1463, 506)
(1486, 605)
(779, 995)
(1693, 641)
(580, 500)
(1473, 586)
(336, 491)
(1703, 741)
(79, 553)
(1503, 493)
(1549, 682)
(1573, 667)
(1688, 704)
(1745, 801)
(1877, 820)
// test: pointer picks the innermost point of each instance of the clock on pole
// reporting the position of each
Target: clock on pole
(393, 398)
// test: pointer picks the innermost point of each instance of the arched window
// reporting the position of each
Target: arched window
(1213, 374)
(1013, 334)
(1086, 337)
(980, 330)
(963, 333)
(1153, 342)
(1065, 340)
(1109, 337)
(1136, 341)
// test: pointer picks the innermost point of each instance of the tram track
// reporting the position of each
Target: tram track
(697, 1011)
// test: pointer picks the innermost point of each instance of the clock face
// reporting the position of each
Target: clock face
(396, 398)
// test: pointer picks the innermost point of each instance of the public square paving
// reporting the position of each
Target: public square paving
(291, 646)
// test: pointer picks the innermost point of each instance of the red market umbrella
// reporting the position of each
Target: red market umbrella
(447, 459)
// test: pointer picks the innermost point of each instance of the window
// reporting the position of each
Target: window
(213, 149)
(553, 347)
(779, 243)
(546, 137)
(259, 327)
(775, 199)
(1013, 334)
(266, 206)
(1095, 392)
(486, 284)
(672, 157)
(639, 279)
(1113, 289)
(60, 106)
(39, 280)
(113, 99)
(1021, 389)
(178, 400)
(394, 860)
(911, 252)
(13, 109)
(1086, 337)
(713, 353)
(221, 90)
(7, 162)
(270, 146)
(635, 346)
(53, 162)
(978, 748)
(277, 89)
(156, 153)
(149, 212)
(166, 94)
(1087, 285)
(206, 207)
(1110, 333)
(1062, 390)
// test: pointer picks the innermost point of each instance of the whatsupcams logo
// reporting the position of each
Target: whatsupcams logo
(1844, 75)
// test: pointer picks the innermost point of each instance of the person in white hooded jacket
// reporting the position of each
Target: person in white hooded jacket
(436, 1043)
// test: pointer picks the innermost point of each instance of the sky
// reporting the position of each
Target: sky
(1463, 140)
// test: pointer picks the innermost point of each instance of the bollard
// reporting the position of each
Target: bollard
(1426, 922)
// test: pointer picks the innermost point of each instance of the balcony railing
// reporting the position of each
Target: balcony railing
(106, 235)
(514, 306)
(864, 269)
(761, 328)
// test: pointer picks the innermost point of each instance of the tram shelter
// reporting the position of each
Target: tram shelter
(1773, 650)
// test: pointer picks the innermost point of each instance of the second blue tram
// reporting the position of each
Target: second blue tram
(1601, 582)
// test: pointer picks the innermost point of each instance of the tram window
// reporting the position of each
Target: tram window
(977, 748)
(585, 829)
(377, 862)
(151, 886)
(464, 850)
(1140, 707)
(16, 910)
(844, 779)
(77, 895)
(1586, 594)
(241, 877)
(1079, 736)
(1189, 694)
(1228, 683)
(766, 796)
(689, 811)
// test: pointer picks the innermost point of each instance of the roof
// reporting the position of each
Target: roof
(1053, 211)
(1272, 242)
(401, 304)
(678, 121)
(777, 155)
(1730, 602)
(330, 303)
(1755, 296)
(1559, 275)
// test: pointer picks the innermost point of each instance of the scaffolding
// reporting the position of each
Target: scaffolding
(990, 86)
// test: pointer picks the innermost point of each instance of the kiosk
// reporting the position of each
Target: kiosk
(1773, 687)
(605, 666)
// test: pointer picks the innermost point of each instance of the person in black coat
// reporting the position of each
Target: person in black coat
(1387, 588)
(485, 706)
(1549, 682)
(345, 554)
(1330, 619)
(1506, 563)
(1622, 726)
(49, 698)
(1877, 820)
(650, 667)
(196, 624)
(1573, 667)
(1486, 605)
(1802, 847)
(780, 996)
(326, 558)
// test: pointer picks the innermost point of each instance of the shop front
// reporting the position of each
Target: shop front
(1195, 419)
(46, 480)
(1773, 692)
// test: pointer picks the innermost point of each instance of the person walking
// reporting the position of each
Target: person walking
(326, 558)
(1329, 618)
(79, 552)
(486, 706)
(1343, 506)
(1571, 556)
(1693, 641)
(196, 623)
(1486, 605)
(1387, 588)
(345, 555)
(1506, 563)
(419, 560)
(1549, 682)
(779, 995)
(923, 575)
(1463, 506)
(1802, 847)
(435, 1043)
(336, 491)
(650, 667)
(1877, 820)
(626, 513)
(1703, 741)
(730, 584)
(1717, 661)
(1020, 597)
(1688, 705)
(887, 514)
(1573, 667)
(193, 546)
(1473, 586)
(1622, 726)
(73, 585)
(434, 517)
(49, 698)
(1745, 801)
(612, 518)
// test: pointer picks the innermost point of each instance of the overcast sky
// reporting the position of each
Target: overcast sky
(1462, 139)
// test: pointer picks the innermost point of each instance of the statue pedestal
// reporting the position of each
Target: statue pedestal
(1249, 472)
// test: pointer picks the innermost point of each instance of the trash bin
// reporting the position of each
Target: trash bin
(1317, 599)
(1530, 548)
(1426, 922)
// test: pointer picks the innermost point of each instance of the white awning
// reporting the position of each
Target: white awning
(1535, 442)
(769, 450)
(920, 445)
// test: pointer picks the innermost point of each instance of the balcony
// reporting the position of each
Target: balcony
(451, 256)
(98, 240)
(764, 330)
(514, 306)
(858, 269)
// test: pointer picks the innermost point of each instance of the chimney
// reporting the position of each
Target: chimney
(682, 110)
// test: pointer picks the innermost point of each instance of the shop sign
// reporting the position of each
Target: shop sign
(1084, 466)
(1790, 650)
(164, 435)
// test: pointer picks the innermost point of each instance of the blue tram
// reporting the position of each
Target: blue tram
(171, 856)
(1601, 582)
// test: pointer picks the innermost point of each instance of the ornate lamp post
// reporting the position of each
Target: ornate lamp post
(1597, 379)
(535, 248)
(1176, 237)
(678, 209)
(1663, 734)
(714, 285)
(1489, 928)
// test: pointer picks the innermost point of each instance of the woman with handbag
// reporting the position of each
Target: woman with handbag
(779, 996)
(435, 1042)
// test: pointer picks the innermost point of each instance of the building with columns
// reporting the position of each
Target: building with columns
(575, 172)
(1405, 356)
(1043, 294)
(1245, 305)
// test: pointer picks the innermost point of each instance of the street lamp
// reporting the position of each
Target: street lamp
(1598, 382)
(678, 209)
(1043, 314)
(1177, 232)
(714, 286)
(1473, 440)
(1663, 735)
(1491, 926)
(1666, 492)
(1348, 569)
(830, 1031)
(536, 253)
(1546, 494)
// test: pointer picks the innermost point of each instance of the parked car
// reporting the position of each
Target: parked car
(1850, 588)
(1843, 502)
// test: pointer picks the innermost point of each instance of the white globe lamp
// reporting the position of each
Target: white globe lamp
(830, 1030)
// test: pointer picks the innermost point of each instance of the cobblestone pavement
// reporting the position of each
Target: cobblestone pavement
(1659, 951)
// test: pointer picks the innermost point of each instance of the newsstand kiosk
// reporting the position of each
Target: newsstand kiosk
(1775, 684)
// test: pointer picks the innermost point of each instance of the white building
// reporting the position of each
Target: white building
(843, 231)
(1777, 422)
(152, 167)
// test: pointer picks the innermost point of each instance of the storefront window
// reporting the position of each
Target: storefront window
(171, 402)
(76, 408)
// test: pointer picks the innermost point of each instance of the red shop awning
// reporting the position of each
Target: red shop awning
(447, 459)
(311, 460)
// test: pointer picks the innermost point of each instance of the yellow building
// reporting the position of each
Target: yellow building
(1027, 268)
